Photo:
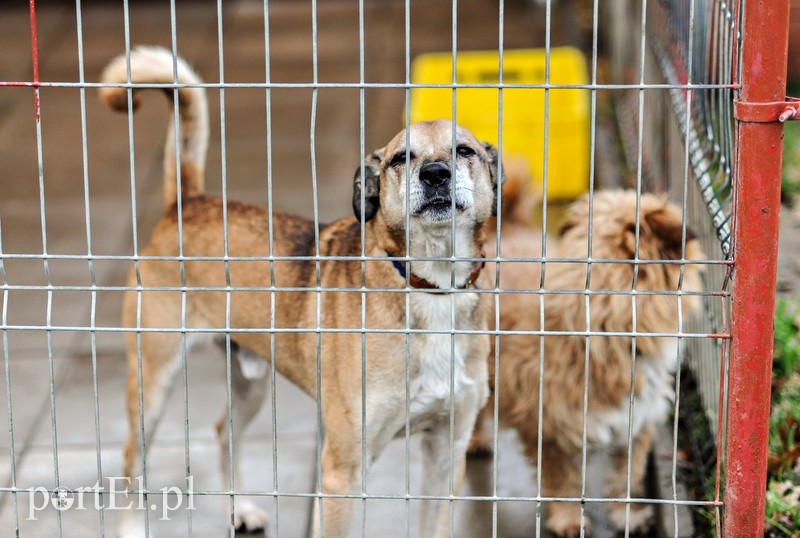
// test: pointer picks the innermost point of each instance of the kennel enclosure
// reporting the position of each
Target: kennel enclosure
(697, 90)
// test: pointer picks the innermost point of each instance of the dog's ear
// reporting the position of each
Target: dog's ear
(565, 227)
(370, 184)
(662, 229)
(668, 229)
(494, 165)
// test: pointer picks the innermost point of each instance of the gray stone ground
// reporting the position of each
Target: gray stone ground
(62, 438)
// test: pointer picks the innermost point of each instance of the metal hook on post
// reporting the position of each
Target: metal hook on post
(790, 112)
(769, 112)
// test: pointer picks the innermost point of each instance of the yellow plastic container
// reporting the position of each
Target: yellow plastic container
(523, 108)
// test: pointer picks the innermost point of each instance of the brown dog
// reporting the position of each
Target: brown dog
(427, 179)
(606, 372)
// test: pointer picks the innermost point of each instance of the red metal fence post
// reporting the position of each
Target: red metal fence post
(756, 213)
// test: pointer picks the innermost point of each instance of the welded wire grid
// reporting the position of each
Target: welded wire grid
(691, 137)
(706, 125)
(692, 43)
(681, 61)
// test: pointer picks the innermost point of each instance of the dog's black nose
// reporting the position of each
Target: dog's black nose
(435, 174)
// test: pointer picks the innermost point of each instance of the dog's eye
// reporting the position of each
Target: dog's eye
(465, 151)
(399, 158)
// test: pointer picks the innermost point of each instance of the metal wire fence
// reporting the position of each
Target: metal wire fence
(690, 136)
(668, 67)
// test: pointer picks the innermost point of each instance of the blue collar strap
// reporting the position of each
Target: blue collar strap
(401, 268)
(416, 282)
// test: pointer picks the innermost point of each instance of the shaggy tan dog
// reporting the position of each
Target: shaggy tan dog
(604, 373)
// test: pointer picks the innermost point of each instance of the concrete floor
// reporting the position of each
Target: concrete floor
(65, 436)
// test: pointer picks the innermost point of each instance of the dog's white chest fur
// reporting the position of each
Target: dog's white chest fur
(650, 405)
(441, 356)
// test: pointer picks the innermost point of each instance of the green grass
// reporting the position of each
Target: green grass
(786, 356)
(784, 428)
(782, 517)
(790, 183)
(783, 509)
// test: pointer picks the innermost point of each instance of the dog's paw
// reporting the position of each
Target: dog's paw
(249, 518)
(642, 518)
(480, 446)
(564, 521)
(573, 531)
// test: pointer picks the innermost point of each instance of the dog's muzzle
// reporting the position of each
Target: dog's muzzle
(436, 181)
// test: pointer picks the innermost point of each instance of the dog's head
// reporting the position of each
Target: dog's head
(660, 237)
(419, 165)
(659, 245)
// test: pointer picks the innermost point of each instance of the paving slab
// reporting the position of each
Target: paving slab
(78, 468)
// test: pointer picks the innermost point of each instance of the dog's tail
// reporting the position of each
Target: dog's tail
(155, 65)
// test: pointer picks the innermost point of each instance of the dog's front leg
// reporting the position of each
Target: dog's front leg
(341, 471)
(561, 477)
(436, 478)
(438, 462)
(641, 515)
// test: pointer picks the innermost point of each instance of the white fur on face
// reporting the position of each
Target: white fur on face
(462, 188)
(431, 229)
(470, 185)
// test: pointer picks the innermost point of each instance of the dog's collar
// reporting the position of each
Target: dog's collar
(420, 283)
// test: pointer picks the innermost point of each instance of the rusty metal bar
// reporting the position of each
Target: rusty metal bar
(755, 252)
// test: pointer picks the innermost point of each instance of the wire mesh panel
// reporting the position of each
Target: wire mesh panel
(705, 121)
(692, 51)
(455, 286)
